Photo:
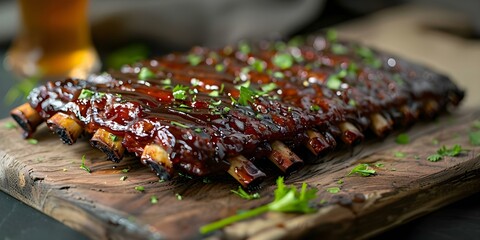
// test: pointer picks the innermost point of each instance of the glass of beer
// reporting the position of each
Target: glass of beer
(53, 40)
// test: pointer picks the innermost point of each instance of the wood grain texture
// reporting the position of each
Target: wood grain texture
(48, 177)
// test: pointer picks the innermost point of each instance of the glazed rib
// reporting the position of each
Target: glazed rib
(208, 111)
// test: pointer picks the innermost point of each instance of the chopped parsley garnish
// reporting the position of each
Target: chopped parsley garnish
(278, 75)
(123, 178)
(194, 59)
(352, 103)
(444, 151)
(363, 169)
(83, 166)
(241, 193)
(10, 125)
(451, 152)
(399, 154)
(198, 130)
(283, 60)
(153, 199)
(334, 82)
(434, 157)
(402, 138)
(244, 84)
(166, 81)
(474, 138)
(333, 190)
(332, 35)
(352, 69)
(146, 74)
(379, 165)
(85, 93)
(340, 181)
(368, 57)
(113, 137)
(339, 49)
(180, 92)
(140, 188)
(174, 123)
(216, 103)
(179, 197)
(244, 47)
(125, 170)
(287, 199)
(258, 65)
(314, 108)
(266, 88)
(32, 141)
(246, 96)
(219, 67)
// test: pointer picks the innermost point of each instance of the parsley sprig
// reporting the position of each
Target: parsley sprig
(287, 199)
(243, 194)
(444, 151)
(83, 166)
(363, 170)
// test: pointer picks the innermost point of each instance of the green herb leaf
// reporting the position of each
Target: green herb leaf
(244, 47)
(178, 196)
(86, 93)
(333, 190)
(113, 137)
(146, 74)
(180, 92)
(246, 96)
(241, 193)
(166, 81)
(195, 82)
(123, 178)
(10, 125)
(279, 75)
(258, 65)
(125, 170)
(434, 157)
(451, 152)
(153, 199)
(332, 35)
(334, 82)
(283, 60)
(363, 170)
(340, 181)
(352, 103)
(399, 154)
(314, 108)
(140, 188)
(266, 88)
(83, 166)
(194, 59)
(402, 138)
(379, 165)
(32, 141)
(198, 130)
(287, 199)
(174, 123)
(474, 138)
(339, 49)
(219, 67)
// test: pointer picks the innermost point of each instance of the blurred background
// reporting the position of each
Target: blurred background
(442, 34)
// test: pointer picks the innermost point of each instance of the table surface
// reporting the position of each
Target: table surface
(433, 37)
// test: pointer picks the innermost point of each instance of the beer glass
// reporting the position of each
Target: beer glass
(53, 40)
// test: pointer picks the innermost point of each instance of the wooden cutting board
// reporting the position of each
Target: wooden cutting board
(47, 176)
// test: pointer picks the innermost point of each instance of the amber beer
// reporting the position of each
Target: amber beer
(53, 40)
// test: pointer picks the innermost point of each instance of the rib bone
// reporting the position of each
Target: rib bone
(27, 118)
(66, 126)
(108, 143)
(244, 171)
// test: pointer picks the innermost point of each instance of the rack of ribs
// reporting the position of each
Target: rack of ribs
(209, 111)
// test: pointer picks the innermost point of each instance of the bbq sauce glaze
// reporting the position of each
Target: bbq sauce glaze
(206, 105)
